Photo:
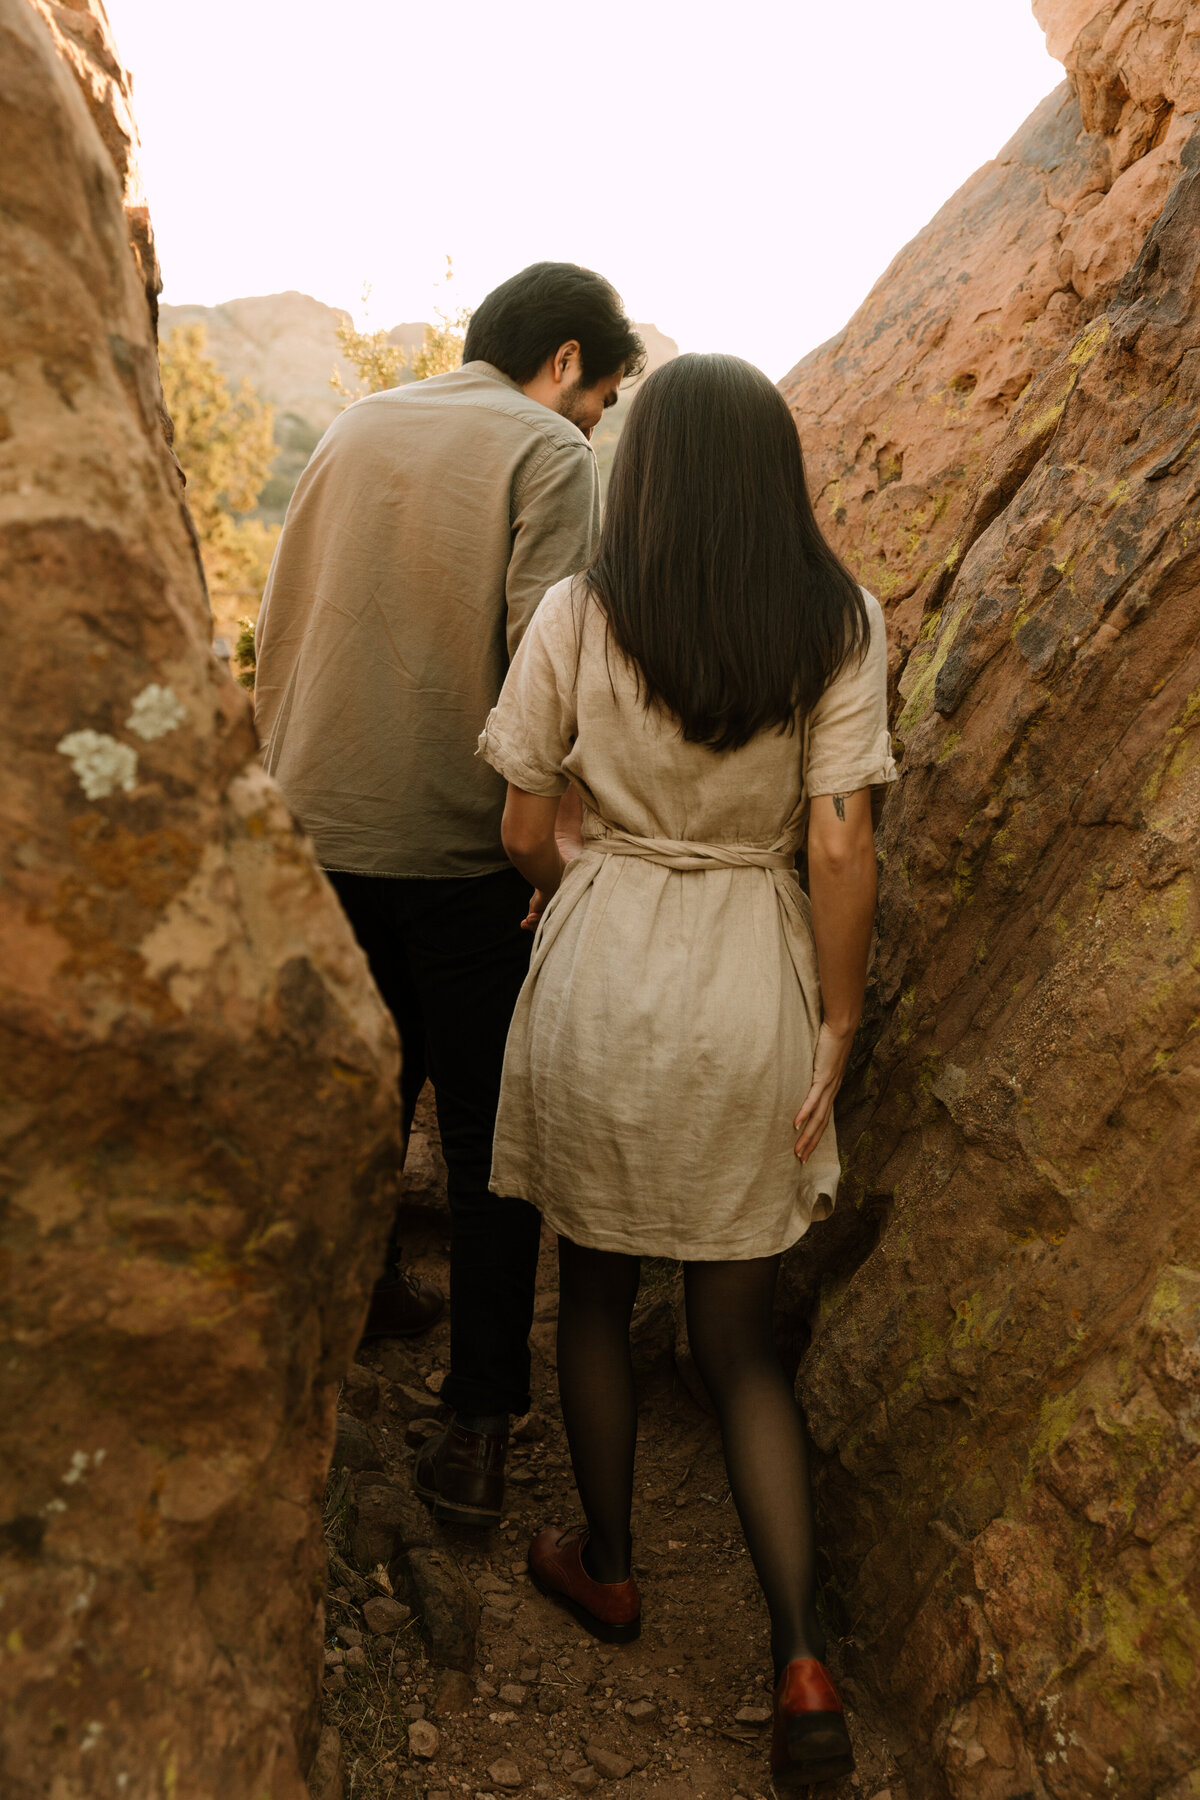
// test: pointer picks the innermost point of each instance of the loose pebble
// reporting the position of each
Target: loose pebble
(609, 1763)
(383, 1614)
(423, 1739)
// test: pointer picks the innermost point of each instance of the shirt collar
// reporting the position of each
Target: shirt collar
(491, 373)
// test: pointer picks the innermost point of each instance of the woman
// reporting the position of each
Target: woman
(714, 687)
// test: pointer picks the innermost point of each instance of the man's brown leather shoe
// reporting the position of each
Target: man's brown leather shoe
(402, 1306)
(461, 1475)
(610, 1610)
(809, 1742)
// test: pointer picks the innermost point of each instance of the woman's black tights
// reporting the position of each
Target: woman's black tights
(729, 1313)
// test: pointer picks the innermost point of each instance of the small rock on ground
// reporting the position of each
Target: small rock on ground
(454, 1693)
(383, 1614)
(418, 1432)
(449, 1608)
(609, 1763)
(641, 1710)
(505, 1773)
(415, 1403)
(423, 1739)
(753, 1715)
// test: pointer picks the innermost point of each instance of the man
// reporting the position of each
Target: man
(421, 537)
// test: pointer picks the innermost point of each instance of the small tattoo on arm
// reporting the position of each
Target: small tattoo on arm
(839, 805)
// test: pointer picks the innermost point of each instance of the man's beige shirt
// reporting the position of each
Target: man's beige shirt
(426, 528)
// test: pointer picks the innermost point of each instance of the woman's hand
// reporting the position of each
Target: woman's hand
(829, 1065)
(527, 831)
(537, 907)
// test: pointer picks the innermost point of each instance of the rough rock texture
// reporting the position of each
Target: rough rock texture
(196, 1076)
(900, 412)
(1005, 1366)
(83, 38)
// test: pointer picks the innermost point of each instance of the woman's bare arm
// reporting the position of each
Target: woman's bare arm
(527, 833)
(841, 885)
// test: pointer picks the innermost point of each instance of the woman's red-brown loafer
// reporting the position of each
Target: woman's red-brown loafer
(810, 1742)
(610, 1610)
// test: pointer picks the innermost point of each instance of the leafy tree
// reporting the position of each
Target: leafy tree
(225, 445)
(381, 364)
(443, 346)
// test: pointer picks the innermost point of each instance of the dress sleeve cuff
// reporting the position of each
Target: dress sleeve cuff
(875, 770)
(507, 760)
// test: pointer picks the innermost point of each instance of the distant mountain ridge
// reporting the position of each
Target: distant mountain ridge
(285, 346)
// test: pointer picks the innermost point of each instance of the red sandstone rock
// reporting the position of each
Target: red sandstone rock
(197, 1080)
(1004, 1374)
(899, 413)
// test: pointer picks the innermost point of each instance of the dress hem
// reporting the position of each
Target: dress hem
(619, 1243)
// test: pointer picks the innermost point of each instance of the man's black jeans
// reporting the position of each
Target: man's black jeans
(449, 957)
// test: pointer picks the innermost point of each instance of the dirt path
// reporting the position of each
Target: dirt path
(681, 1714)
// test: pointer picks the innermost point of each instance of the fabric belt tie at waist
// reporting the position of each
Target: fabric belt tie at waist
(678, 853)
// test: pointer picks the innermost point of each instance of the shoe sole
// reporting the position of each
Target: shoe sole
(599, 1628)
(819, 1749)
(449, 1512)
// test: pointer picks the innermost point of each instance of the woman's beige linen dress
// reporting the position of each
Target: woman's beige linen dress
(663, 1040)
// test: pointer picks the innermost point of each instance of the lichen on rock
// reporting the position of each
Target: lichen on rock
(197, 1078)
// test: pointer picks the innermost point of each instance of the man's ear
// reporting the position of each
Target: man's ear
(563, 357)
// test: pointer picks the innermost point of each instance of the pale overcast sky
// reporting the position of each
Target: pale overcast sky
(743, 174)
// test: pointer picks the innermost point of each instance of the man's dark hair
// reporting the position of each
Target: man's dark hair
(531, 315)
(712, 570)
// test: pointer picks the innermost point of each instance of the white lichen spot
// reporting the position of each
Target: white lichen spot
(55, 1506)
(92, 1734)
(156, 710)
(1110, 1777)
(78, 1468)
(82, 1601)
(80, 1462)
(1060, 1737)
(100, 762)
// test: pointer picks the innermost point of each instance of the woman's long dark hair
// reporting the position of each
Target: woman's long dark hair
(711, 569)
